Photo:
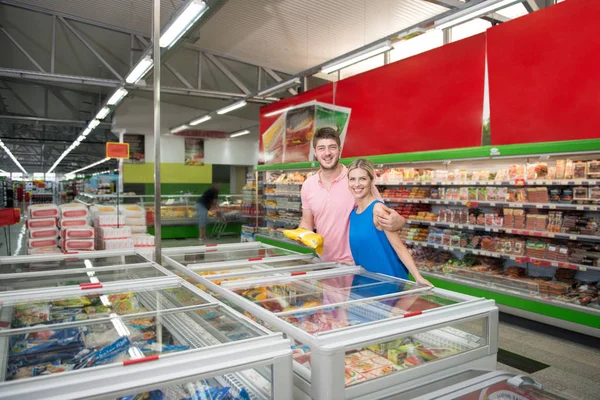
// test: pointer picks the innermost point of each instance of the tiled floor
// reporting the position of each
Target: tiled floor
(574, 360)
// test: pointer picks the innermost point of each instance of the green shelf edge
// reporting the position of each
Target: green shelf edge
(568, 146)
(533, 306)
(283, 245)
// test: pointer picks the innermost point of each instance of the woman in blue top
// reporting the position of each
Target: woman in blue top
(373, 248)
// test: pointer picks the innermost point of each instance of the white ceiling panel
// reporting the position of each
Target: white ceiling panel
(292, 35)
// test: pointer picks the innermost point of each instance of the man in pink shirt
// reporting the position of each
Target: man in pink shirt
(327, 202)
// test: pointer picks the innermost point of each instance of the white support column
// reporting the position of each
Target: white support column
(156, 75)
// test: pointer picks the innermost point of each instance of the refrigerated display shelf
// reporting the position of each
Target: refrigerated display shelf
(283, 208)
(562, 182)
(521, 232)
(517, 259)
(283, 221)
(543, 206)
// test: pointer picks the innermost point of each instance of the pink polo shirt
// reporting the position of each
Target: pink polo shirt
(331, 210)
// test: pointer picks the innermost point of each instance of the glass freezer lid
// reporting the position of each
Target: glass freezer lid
(70, 262)
(79, 277)
(212, 255)
(252, 265)
(42, 350)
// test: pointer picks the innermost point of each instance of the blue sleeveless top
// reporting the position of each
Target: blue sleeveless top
(371, 248)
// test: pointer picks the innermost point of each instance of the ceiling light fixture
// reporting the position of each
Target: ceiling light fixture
(102, 113)
(240, 133)
(179, 129)
(231, 107)
(89, 166)
(142, 67)
(272, 113)
(86, 132)
(191, 13)
(12, 157)
(355, 58)
(200, 120)
(94, 124)
(473, 12)
(280, 86)
(117, 96)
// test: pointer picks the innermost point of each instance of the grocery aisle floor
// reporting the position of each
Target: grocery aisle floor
(566, 363)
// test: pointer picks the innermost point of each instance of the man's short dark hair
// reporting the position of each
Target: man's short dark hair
(326, 133)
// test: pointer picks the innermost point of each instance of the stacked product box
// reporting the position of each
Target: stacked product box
(135, 219)
(111, 232)
(42, 229)
(76, 233)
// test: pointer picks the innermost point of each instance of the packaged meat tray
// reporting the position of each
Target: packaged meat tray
(74, 222)
(45, 242)
(84, 232)
(40, 233)
(42, 211)
(73, 210)
(77, 244)
(107, 232)
(103, 220)
(41, 223)
(43, 250)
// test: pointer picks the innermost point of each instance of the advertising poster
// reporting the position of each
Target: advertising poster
(137, 150)
(194, 151)
(289, 138)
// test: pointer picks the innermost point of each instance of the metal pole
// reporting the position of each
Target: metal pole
(156, 54)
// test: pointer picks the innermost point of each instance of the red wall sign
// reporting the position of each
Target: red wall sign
(117, 150)
(545, 76)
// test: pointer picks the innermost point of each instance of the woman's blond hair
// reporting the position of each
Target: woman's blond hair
(363, 164)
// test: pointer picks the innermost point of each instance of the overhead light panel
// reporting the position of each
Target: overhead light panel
(179, 129)
(201, 120)
(279, 87)
(355, 58)
(231, 107)
(89, 166)
(102, 113)
(12, 157)
(276, 112)
(188, 17)
(240, 133)
(94, 124)
(473, 12)
(117, 96)
(86, 131)
(142, 67)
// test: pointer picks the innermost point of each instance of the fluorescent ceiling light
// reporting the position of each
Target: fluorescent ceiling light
(179, 129)
(200, 120)
(231, 107)
(192, 12)
(80, 138)
(280, 86)
(240, 133)
(117, 96)
(140, 70)
(103, 113)
(475, 11)
(270, 114)
(86, 131)
(12, 157)
(94, 124)
(89, 166)
(360, 56)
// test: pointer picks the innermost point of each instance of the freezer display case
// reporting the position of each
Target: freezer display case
(359, 333)
(159, 338)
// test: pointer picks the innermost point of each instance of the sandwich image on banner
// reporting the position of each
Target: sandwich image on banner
(300, 129)
(273, 145)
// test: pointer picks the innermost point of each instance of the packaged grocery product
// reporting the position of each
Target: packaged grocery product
(472, 193)
(73, 210)
(560, 169)
(44, 242)
(541, 170)
(133, 210)
(83, 232)
(310, 239)
(492, 193)
(143, 240)
(579, 170)
(43, 250)
(106, 232)
(502, 175)
(41, 223)
(502, 194)
(30, 314)
(103, 209)
(463, 194)
(580, 193)
(135, 221)
(42, 211)
(40, 233)
(102, 220)
(76, 244)
(569, 169)
(593, 169)
(567, 196)
(115, 244)
(595, 193)
(531, 174)
(74, 222)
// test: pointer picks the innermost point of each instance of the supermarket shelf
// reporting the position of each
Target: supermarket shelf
(537, 182)
(283, 208)
(283, 221)
(521, 232)
(516, 293)
(544, 206)
(284, 183)
(293, 195)
(517, 259)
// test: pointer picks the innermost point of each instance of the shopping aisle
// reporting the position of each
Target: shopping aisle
(566, 363)
(13, 240)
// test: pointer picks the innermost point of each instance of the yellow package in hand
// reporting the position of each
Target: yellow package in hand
(311, 239)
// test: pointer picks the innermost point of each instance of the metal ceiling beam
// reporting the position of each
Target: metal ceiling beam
(455, 5)
(221, 67)
(277, 78)
(22, 49)
(531, 5)
(50, 121)
(19, 99)
(67, 103)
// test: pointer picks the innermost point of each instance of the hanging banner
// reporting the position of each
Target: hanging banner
(289, 138)
(137, 149)
(194, 151)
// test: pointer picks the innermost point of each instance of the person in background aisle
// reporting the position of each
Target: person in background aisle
(327, 203)
(373, 248)
(207, 201)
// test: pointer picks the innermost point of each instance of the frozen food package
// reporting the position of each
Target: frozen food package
(45, 242)
(83, 232)
(107, 232)
(143, 240)
(135, 221)
(115, 244)
(133, 210)
(310, 239)
(77, 244)
(40, 233)
(42, 211)
(41, 223)
(103, 220)
(73, 210)
(43, 250)
(560, 169)
(103, 209)
(74, 222)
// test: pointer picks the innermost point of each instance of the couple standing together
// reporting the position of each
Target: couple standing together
(345, 207)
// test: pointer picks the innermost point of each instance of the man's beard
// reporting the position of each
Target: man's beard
(337, 161)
